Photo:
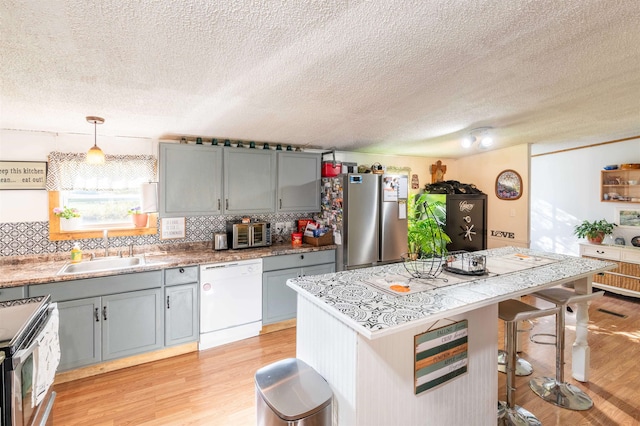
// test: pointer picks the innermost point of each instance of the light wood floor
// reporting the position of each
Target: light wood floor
(216, 387)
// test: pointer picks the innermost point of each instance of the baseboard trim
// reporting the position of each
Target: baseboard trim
(278, 326)
(117, 364)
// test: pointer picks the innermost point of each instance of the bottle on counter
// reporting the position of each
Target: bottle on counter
(76, 253)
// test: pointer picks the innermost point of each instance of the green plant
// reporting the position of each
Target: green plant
(66, 212)
(588, 229)
(425, 226)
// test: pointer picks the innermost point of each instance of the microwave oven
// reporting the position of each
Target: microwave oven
(246, 235)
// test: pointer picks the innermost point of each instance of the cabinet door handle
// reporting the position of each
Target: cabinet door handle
(104, 312)
(97, 315)
(181, 270)
(226, 203)
(301, 256)
(168, 302)
(280, 202)
(599, 252)
(218, 203)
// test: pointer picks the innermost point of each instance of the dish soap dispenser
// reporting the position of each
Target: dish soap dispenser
(76, 254)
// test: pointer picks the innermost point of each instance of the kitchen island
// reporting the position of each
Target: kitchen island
(360, 335)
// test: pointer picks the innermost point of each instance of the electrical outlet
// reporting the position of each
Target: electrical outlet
(288, 228)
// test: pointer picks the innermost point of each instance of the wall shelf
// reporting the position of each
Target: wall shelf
(620, 186)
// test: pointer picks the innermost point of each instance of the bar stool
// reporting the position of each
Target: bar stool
(523, 367)
(556, 390)
(511, 311)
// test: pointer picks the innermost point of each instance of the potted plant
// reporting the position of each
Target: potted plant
(425, 235)
(594, 231)
(70, 218)
(139, 219)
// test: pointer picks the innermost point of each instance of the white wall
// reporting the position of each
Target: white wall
(16, 145)
(565, 190)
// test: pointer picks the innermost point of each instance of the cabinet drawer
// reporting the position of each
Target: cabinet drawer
(12, 293)
(183, 275)
(631, 255)
(601, 252)
(100, 286)
(298, 260)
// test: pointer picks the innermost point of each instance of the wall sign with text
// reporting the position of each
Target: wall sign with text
(441, 355)
(172, 228)
(23, 174)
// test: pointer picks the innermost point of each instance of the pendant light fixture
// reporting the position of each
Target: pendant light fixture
(95, 154)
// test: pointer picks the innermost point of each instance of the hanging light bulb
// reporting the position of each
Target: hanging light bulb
(95, 154)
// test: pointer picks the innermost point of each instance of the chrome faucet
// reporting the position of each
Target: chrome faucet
(105, 239)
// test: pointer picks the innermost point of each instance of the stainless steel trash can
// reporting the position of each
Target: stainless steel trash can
(290, 392)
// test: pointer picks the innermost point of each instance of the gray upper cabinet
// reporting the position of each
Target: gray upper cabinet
(249, 181)
(190, 180)
(298, 182)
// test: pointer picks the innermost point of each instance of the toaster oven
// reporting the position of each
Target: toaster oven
(247, 235)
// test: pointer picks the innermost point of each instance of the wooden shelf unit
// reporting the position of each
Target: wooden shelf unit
(615, 186)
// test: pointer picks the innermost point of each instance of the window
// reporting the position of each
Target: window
(103, 193)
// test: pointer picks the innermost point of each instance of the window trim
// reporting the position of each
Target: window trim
(55, 234)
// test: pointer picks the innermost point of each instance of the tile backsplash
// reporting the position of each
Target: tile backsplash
(29, 238)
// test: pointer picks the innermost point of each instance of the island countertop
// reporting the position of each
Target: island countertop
(359, 298)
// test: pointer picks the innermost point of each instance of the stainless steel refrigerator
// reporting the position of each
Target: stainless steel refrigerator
(368, 213)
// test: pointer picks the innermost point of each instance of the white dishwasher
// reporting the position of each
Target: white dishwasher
(230, 302)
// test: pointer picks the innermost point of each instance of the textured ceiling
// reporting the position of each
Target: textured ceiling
(403, 77)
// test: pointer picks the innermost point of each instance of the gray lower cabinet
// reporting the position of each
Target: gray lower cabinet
(131, 323)
(12, 293)
(279, 302)
(80, 333)
(100, 320)
(181, 314)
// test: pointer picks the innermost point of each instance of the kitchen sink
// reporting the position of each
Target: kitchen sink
(100, 265)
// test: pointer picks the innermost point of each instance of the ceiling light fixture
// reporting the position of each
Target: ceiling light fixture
(481, 135)
(95, 154)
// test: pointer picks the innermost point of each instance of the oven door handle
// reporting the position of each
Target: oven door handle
(1, 357)
(23, 354)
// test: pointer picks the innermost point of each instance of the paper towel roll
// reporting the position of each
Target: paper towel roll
(149, 197)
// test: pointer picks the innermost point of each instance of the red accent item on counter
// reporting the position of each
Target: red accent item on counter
(302, 224)
(296, 239)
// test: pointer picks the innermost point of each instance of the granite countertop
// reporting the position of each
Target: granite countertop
(363, 299)
(40, 269)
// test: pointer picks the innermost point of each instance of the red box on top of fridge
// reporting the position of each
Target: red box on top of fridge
(331, 169)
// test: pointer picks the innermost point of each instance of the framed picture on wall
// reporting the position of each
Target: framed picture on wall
(508, 185)
(628, 218)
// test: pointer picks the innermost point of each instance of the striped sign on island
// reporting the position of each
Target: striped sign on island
(440, 355)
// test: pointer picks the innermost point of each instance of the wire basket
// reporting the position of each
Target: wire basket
(465, 263)
(423, 267)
